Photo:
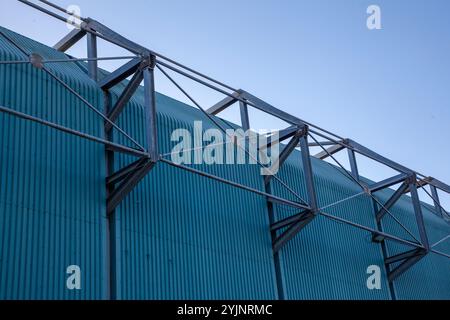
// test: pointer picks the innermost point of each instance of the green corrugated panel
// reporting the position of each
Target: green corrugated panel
(329, 260)
(178, 236)
(181, 236)
(52, 213)
(428, 279)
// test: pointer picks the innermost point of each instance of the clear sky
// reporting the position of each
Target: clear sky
(387, 89)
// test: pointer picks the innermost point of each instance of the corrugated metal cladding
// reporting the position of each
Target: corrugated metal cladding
(52, 208)
(177, 236)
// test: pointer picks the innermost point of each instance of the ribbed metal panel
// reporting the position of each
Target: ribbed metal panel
(428, 279)
(177, 235)
(328, 260)
(181, 236)
(52, 213)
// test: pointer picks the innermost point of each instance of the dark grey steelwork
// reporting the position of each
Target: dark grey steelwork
(353, 164)
(270, 197)
(120, 183)
(126, 95)
(330, 151)
(388, 183)
(245, 121)
(112, 146)
(150, 111)
(46, 61)
(436, 201)
(419, 216)
(70, 40)
(287, 151)
(128, 185)
(120, 74)
(92, 55)
(375, 156)
(302, 138)
(123, 173)
(282, 136)
(392, 200)
(225, 103)
(406, 264)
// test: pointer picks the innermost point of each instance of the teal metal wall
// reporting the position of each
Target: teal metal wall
(52, 208)
(177, 236)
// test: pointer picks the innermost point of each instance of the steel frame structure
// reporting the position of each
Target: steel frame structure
(301, 135)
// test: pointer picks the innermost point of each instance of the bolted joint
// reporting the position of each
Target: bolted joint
(148, 61)
(154, 159)
(411, 178)
(303, 130)
(36, 60)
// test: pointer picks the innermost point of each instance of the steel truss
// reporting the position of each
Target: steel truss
(300, 135)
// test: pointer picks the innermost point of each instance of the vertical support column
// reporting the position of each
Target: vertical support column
(280, 283)
(418, 213)
(244, 116)
(150, 110)
(353, 164)
(281, 287)
(113, 231)
(92, 54)
(437, 202)
(307, 168)
(384, 250)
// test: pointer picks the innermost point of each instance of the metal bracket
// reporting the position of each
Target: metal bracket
(405, 261)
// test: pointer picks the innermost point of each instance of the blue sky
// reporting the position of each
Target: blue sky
(387, 89)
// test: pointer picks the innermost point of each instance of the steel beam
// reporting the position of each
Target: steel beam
(436, 201)
(116, 38)
(286, 153)
(267, 108)
(150, 112)
(127, 186)
(353, 164)
(224, 104)
(419, 215)
(388, 183)
(123, 173)
(110, 145)
(292, 231)
(329, 152)
(288, 221)
(392, 200)
(269, 197)
(440, 185)
(282, 136)
(375, 156)
(124, 98)
(311, 214)
(404, 266)
(403, 256)
(92, 55)
(70, 40)
(245, 120)
(308, 172)
(120, 74)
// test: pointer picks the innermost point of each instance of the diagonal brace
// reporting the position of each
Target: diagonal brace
(70, 40)
(286, 152)
(329, 152)
(392, 200)
(225, 103)
(128, 185)
(292, 231)
(123, 173)
(407, 259)
(288, 221)
(120, 74)
(124, 98)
